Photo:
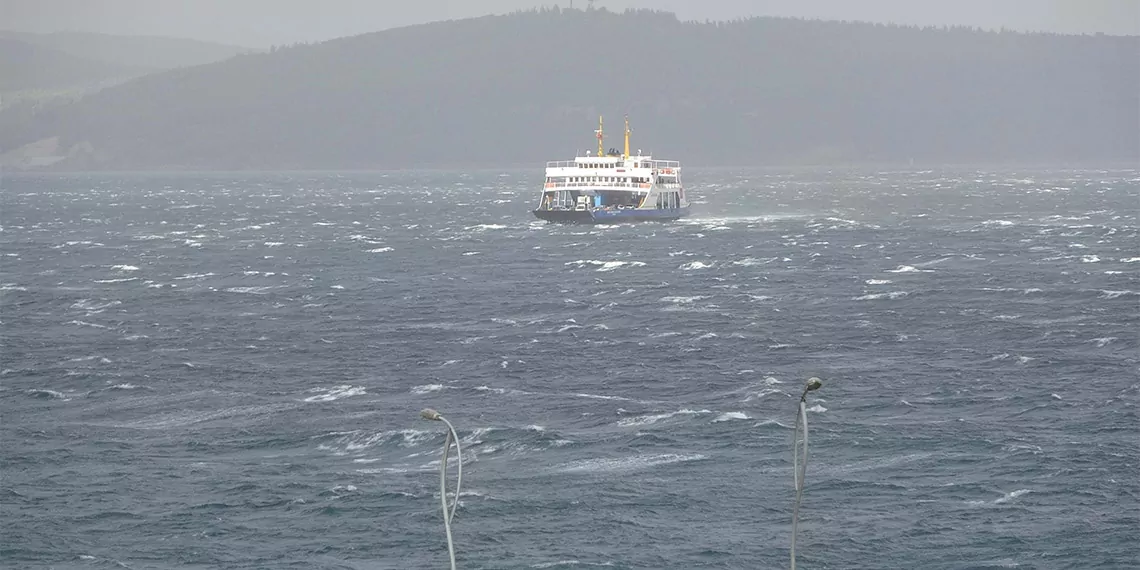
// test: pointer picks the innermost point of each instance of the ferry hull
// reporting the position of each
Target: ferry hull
(610, 216)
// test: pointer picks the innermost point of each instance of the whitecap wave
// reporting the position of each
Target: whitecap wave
(262, 290)
(876, 296)
(615, 464)
(682, 300)
(605, 265)
(335, 393)
(694, 265)
(728, 416)
(654, 418)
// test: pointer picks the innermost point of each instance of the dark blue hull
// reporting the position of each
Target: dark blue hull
(611, 216)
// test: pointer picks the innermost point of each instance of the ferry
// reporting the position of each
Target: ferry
(612, 187)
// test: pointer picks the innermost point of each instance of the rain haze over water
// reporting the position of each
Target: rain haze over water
(227, 370)
(244, 244)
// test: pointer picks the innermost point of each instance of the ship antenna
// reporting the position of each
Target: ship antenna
(599, 133)
(626, 156)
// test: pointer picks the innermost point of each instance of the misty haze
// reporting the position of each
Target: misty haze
(263, 262)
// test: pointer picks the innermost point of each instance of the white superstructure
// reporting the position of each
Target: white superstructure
(614, 181)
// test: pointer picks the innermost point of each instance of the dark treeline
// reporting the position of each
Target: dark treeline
(527, 87)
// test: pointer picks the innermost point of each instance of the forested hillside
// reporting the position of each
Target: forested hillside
(527, 87)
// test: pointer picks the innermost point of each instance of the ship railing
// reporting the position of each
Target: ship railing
(632, 163)
(597, 185)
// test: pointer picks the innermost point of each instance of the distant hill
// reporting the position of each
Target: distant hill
(69, 65)
(152, 52)
(25, 66)
(527, 87)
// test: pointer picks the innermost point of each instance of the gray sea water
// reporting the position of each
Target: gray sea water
(226, 371)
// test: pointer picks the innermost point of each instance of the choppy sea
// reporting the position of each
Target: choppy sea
(226, 371)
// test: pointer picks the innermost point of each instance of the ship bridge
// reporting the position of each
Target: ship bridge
(611, 172)
(611, 169)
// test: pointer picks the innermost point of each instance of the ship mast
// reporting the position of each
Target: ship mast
(599, 133)
(626, 155)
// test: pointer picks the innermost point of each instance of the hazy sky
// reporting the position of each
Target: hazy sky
(259, 23)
